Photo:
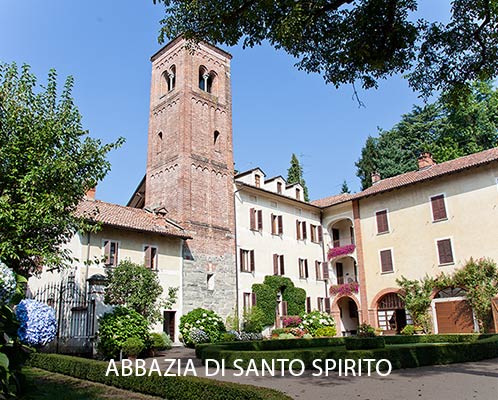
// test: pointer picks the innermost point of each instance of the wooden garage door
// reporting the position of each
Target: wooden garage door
(454, 317)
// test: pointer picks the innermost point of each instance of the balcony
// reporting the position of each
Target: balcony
(344, 289)
(341, 248)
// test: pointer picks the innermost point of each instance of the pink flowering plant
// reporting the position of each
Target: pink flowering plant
(346, 289)
(291, 321)
(340, 251)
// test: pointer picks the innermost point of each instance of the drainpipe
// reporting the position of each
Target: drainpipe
(236, 259)
(323, 253)
(88, 237)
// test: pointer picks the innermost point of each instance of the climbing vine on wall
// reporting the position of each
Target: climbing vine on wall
(266, 296)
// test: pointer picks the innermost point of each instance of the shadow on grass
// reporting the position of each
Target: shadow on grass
(44, 385)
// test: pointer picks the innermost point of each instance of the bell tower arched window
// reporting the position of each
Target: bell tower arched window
(171, 78)
(206, 79)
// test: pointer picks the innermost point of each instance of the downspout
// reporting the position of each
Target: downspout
(236, 258)
(87, 263)
(323, 252)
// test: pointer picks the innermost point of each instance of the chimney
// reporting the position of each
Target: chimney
(425, 160)
(375, 177)
(90, 193)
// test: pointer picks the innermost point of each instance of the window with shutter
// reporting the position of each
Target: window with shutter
(318, 270)
(298, 229)
(111, 253)
(246, 260)
(282, 268)
(382, 223)
(280, 225)
(275, 264)
(445, 251)
(284, 308)
(305, 234)
(386, 261)
(308, 304)
(253, 299)
(303, 268)
(150, 256)
(274, 224)
(327, 305)
(320, 234)
(319, 303)
(325, 271)
(260, 220)
(252, 219)
(438, 208)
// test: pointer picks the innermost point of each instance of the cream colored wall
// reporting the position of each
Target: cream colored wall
(265, 244)
(472, 224)
(131, 247)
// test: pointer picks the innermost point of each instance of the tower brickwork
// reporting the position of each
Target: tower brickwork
(190, 165)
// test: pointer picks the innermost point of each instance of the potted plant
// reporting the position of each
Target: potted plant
(132, 347)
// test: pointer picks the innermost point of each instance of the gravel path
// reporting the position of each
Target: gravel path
(477, 380)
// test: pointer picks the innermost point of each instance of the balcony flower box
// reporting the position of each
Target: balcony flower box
(346, 289)
(341, 251)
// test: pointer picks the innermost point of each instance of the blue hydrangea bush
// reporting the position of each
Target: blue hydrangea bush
(37, 323)
(8, 284)
(201, 319)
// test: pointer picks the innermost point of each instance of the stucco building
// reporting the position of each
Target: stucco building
(213, 234)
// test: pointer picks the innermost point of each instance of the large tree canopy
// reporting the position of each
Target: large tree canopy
(353, 40)
(446, 129)
(47, 163)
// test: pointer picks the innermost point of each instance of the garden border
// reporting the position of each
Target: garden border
(171, 387)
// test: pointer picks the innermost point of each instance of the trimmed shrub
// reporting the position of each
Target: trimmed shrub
(160, 341)
(228, 337)
(117, 326)
(133, 346)
(326, 331)
(365, 330)
(171, 387)
(400, 356)
(364, 343)
(203, 320)
(408, 330)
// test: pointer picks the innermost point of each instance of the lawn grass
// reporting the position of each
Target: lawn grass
(44, 385)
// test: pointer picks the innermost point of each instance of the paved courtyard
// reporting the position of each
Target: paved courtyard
(478, 380)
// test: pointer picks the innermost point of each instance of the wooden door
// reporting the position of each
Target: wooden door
(454, 317)
(169, 324)
(340, 273)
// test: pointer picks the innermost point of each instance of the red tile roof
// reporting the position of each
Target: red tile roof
(129, 218)
(412, 177)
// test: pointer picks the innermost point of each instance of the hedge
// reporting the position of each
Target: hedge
(265, 345)
(364, 343)
(172, 388)
(463, 349)
(444, 338)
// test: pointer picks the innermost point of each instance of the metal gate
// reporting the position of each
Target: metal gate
(74, 313)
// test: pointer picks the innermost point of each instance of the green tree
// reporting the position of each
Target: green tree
(137, 287)
(417, 297)
(345, 187)
(47, 163)
(347, 41)
(446, 128)
(295, 175)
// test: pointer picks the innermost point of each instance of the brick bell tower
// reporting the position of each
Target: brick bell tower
(190, 166)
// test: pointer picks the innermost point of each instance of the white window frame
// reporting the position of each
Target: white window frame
(388, 223)
(247, 269)
(434, 221)
(392, 258)
(452, 251)
(304, 264)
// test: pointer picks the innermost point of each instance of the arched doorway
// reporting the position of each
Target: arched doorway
(348, 322)
(452, 313)
(391, 314)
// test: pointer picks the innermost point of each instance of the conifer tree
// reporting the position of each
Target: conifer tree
(295, 175)
(345, 187)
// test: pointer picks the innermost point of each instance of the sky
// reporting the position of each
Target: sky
(277, 110)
